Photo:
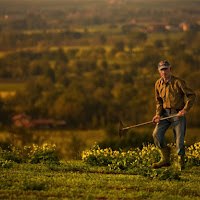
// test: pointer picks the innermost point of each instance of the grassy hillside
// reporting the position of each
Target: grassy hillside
(35, 172)
(37, 181)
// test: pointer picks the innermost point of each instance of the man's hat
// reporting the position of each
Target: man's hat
(163, 65)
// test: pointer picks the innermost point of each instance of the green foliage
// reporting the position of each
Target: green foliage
(12, 154)
(91, 84)
(6, 163)
(138, 160)
(169, 174)
(33, 184)
(112, 56)
(121, 160)
(45, 153)
(32, 154)
(193, 155)
(77, 180)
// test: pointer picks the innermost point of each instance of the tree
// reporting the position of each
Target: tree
(33, 21)
(27, 100)
(102, 64)
(158, 44)
(61, 56)
(5, 111)
(130, 45)
(137, 37)
(119, 46)
(68, 106)
(103, 39)
(35, 68)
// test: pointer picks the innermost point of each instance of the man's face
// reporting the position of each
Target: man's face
(165, 73)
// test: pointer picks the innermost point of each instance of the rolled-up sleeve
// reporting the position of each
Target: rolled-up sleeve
(159, 101)
(189, 94)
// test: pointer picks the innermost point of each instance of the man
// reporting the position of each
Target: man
(170, 93)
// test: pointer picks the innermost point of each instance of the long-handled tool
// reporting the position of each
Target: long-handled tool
(121, 128)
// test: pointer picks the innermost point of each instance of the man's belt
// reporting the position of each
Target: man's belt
(172, 110)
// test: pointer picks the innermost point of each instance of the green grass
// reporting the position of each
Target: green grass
(53, 179)
(79, 181)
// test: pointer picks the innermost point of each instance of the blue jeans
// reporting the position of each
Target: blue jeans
(179, 128)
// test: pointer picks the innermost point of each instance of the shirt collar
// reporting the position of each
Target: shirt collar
(169, 81)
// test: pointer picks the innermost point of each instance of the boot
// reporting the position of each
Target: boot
(181, 163)
(165, 159)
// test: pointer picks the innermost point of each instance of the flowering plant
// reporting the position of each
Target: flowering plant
(120, 159)
(44, 153)
(193, 154)
(137, 158)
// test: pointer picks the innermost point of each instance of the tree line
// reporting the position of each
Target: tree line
(61, 14)
(95, 87)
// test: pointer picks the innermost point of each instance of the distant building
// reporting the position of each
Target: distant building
(5, 17)
(43, 123)
(128, 28)
(22, 120)
(133, 21)
(184, 26)
(116, 2)
(158, 27)
(25, 121)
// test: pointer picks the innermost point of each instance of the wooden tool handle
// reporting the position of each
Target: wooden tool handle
(145, 123)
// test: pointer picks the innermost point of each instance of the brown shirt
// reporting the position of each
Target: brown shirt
(172, 95)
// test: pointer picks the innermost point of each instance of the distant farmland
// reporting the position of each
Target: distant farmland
(9, 88)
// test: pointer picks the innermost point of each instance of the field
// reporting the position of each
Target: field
(38, 182)
(35, 172)
(77, 180)
(9, 88)
(11, 85)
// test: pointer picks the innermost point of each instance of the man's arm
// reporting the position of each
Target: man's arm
(159, 105)
(190, 98)
(159, 101)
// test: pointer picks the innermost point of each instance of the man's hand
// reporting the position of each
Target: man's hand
(182, 113)
(156, 119)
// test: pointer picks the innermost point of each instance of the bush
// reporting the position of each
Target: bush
(33, 154)
(122, 160)
(139, 161)
(11, 154)
(6, 163)
(45, 153)
(193, 155)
